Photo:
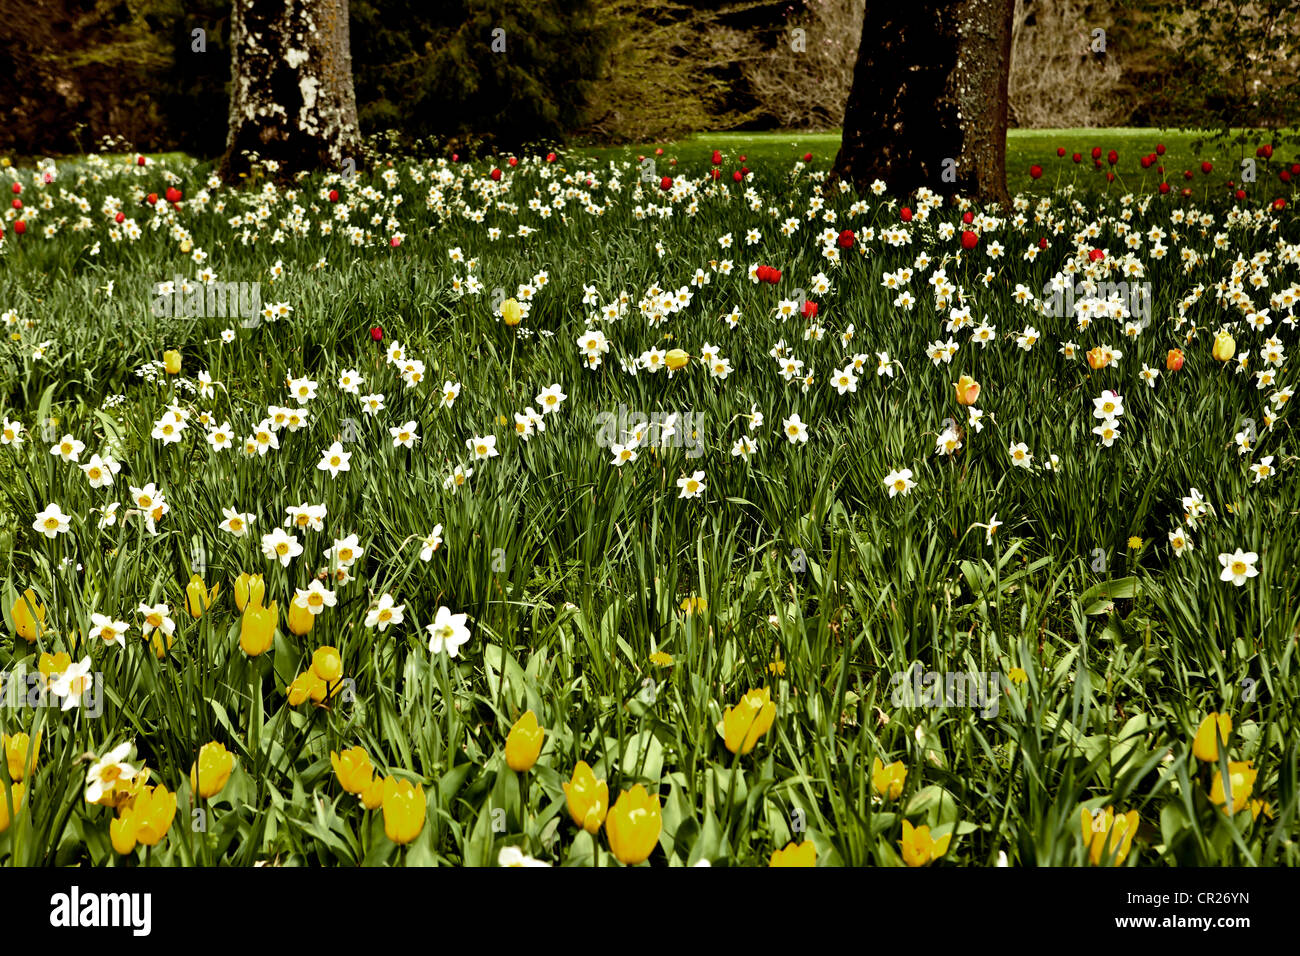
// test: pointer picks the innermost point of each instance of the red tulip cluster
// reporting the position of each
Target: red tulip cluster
(768, 274)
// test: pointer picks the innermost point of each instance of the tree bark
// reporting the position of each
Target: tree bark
(292, 99)
(929, 95)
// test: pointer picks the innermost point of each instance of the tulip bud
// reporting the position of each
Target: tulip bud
(16, 790)
(249, 588)
(20, 754)
(676, 358)
(354, 770)
(633, 826)
(210, 772)
(524, 742)
(404, 810)
(197, 598)
(587, 797)
(121, 831)
(29, 616)
(1224, 346)
(744, 724)
(1205, 745)
(795, 854)
(373, 797)
(172, 361)
(968, 390)
(300, 618)
(257, 629)
(511, 312)
(152, 812)
(327, 664)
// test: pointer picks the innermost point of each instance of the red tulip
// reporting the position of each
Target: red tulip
(512, 161)
(1146, 162)
(1284, 176)
(666, 183)
(717, 173)
(394, 242)
(139, 160)
(1042, 243)
(17, 188)
(153, 199)
(968, 217)
(1187, 174)
(1096, 152)
(717, 158)
(738, 175)
(809, 309)
(1035, 171)
(17, 204)
(120, 217)
(1187, 191)
(1295, 169)
(741, 157)
(1112, 157)
(496, 175)
(20, 227)
(377, 333)
(1160, 149)
(1240, 194)
(1095, 255)
(550, 157)
(969, 239)
(1266, 150)
(1174, 360)
(1077, 158)
(1060, 151)
(1164, 188)
(1110, 177)
(807, 157)
(1278, 203)
(173, 194)
(659, 150)
(334, 195)
(846, 239)
(905, 214)
(1206, 167)
(455, 157)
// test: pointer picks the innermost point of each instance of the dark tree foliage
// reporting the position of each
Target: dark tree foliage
(494, 70)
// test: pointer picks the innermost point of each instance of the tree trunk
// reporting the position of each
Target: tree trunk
(292, 99)
(928, 105)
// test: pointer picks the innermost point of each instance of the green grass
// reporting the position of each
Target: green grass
(1025, 148)
(800, 573)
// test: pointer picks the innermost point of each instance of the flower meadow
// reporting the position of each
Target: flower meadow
(555, 512)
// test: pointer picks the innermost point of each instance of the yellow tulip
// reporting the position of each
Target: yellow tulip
(354, 769)
(1107, 836)
(968, 390)
(211, 771)
(404, 809)
(29, 616)
(249, 587)
(888, 781)
(1241, 777)
(172, 361)
(587, 797)
(327, 664)
(795, 854)
(1224, 346)
(121, 831)
(197, 598)
(17, 791)
(20, 754)
(51, 665)
(373, 797)
(159, 648)
(633, 826)
(511, 312)
(153, 812)
(919, 848)
(1205, 746)
(300, 619)
(749, 720)
(676, 358)
(299, 688)
(257, 629)
(524, 742)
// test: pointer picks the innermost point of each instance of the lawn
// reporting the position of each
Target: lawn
(537, 514)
